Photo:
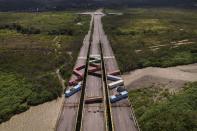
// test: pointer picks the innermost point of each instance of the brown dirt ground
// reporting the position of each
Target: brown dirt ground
(44, 116)
(172, 77)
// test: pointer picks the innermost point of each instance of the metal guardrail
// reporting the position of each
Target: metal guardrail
(110, 124)
(104, 95)
(62, 105)
(134, 118)
(132, 111)
(81, 104)
(108, 115)
(133, 114)
(108, 110)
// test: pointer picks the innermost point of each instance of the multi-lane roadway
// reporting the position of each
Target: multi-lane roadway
(94, 115)
(121, 111)
(67, 119)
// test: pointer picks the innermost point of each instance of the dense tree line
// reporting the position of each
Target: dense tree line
(35, 5)
(167, 112)
(33, 30)
(20, 28)
(30, 61)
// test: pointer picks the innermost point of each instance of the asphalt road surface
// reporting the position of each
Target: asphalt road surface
(121, 114)
(94, 118)
(67, 119)
(93, 114)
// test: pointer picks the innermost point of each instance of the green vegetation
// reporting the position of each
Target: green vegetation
(153, 37)
(160, 38)
(48, 23)
(158, 110)
(43, 5)
(28, 59)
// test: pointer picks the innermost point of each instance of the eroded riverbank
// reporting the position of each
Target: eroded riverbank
(38, 118)
(171, 77)
(43, 117)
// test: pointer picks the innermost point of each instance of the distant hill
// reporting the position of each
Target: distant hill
(34, 5)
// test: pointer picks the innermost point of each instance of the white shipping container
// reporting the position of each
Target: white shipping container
(113, 78)
(115, 84)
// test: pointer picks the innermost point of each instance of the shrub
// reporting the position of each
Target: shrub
(172, 112)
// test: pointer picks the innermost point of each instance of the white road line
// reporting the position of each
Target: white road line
(97, 55)
(109, 57)
(83, 58)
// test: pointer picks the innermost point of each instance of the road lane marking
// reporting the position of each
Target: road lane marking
(83, 58)
(109, 57)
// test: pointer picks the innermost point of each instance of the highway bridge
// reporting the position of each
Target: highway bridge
(90, 109)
